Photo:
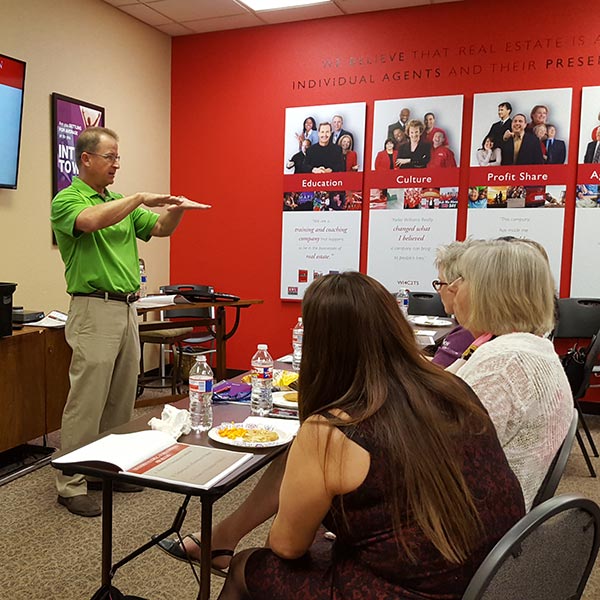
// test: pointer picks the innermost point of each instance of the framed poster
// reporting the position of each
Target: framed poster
(413, 188)
(69, 118)
(323, 165)
(584, 273)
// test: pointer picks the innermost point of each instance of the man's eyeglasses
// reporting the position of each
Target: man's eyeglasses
(438, 285)
(113, 158)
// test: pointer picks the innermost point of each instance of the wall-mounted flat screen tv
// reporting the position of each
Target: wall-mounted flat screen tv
(12, 83)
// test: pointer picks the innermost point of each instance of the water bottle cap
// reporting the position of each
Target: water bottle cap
(300, 320)
(201, 358)
(262, 347)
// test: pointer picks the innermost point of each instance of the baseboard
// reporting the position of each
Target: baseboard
(23, 459)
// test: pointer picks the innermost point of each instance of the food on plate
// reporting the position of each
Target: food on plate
(232, 432)
(291, 396)
(260, 435)
(286, 378)
(253, 435)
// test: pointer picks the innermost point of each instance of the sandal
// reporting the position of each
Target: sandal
(174, 549)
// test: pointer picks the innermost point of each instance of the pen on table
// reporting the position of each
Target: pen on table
(61, 319)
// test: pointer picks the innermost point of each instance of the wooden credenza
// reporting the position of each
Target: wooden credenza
(34, 383)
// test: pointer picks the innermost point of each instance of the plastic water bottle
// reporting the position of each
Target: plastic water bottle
(143, 280)
(262, 382)
(201, 386)
(402, 299)
(297, 334)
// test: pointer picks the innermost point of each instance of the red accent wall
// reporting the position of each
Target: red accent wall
(229, 94)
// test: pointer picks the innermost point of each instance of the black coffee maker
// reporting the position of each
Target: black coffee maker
(6, 297)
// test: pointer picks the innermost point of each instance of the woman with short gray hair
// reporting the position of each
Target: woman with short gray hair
(505, 297)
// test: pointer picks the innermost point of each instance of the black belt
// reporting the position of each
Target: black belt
(128, 298)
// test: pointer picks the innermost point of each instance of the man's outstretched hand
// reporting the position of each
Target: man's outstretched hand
(184, 203)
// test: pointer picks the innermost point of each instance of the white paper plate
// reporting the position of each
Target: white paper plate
(279, 400)
(284, 437)
(431, 321)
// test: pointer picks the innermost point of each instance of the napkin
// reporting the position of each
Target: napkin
(173, 421)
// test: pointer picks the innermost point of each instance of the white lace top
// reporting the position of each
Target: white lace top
(520, 381)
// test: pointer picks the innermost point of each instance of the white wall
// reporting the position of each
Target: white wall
(88, 50)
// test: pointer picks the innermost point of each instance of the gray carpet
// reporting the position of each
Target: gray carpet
(47, 553)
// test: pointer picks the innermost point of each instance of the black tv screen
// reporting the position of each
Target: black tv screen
(12, 82)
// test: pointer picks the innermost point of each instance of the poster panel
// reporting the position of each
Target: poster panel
(406, 225)
(585, 281)
(323, 166)
(69, 118)
(317, 243)
(543, 226)
(518, 156)
(413, 186)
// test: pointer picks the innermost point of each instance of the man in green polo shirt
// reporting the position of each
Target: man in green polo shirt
(96, 231)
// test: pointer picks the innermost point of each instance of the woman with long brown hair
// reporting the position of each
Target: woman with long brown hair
(395, 456)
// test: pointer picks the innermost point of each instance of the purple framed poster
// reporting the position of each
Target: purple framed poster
(69, 118)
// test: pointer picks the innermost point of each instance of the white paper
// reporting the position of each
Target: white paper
(154, 455)
(424, 340)
(585, 282)
(160, 300)
(125, 450)
(315, 244)
(54, 318)
(402, 245)
(544, 225)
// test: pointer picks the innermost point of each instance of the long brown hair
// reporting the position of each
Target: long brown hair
(360, 356)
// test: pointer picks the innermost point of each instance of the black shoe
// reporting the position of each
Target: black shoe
(81, 505)
(118, 486)
(174, 549)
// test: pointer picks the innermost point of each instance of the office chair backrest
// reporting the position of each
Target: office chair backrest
(557, 467)
(591, 360)
(577, 317)
(425, 303)
(192, 312)
(548, 554)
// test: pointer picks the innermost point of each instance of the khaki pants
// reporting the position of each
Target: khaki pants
(103, 335)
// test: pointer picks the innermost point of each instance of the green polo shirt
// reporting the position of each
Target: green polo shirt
(106, 259)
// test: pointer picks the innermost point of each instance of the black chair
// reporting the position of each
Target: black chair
(547, 555)
(580, 318)
(577, 317)
(179, 339)
(557, 466)
(425, 303)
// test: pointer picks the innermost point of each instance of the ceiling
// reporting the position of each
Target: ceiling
(185, 17)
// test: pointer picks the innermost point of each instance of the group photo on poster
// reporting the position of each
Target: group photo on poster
(324, 139)
(589, 130)
(526, 127)
(417, 133)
